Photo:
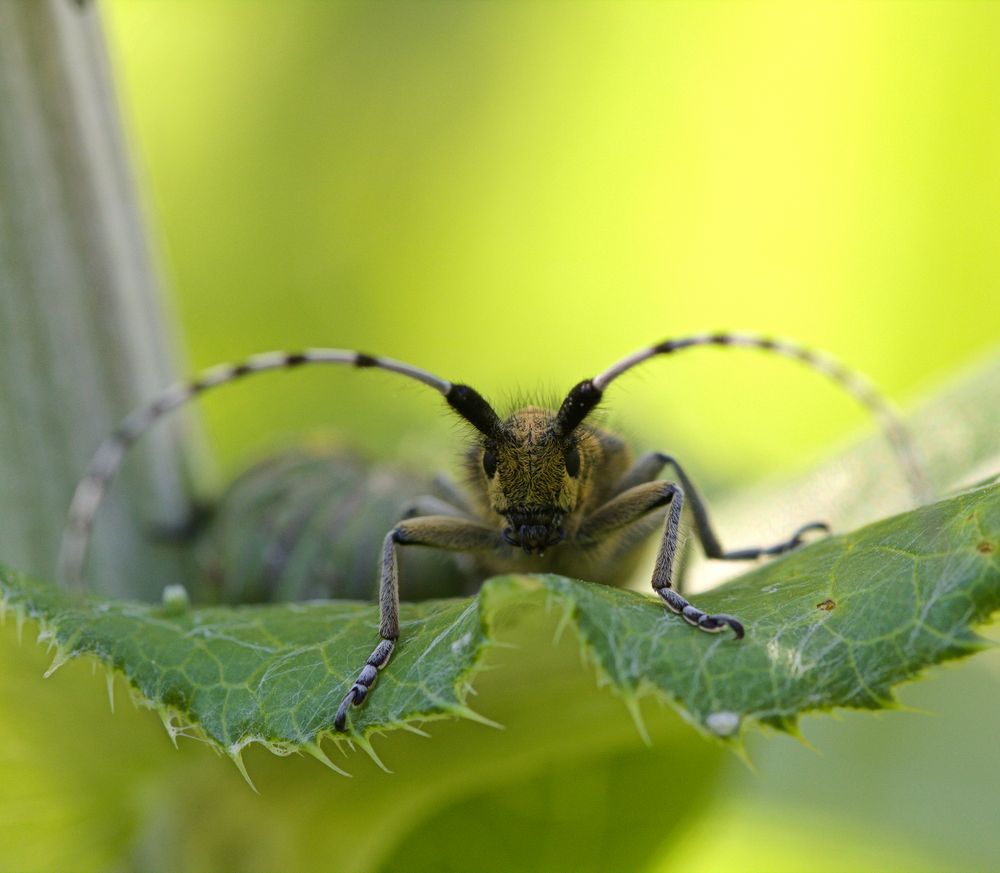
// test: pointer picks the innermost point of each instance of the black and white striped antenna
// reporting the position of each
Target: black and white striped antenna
(582, 399)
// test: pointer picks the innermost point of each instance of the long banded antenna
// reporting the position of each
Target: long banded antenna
(582, 399)
(103, 466)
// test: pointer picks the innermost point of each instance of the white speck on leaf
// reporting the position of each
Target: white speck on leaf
(723, 724)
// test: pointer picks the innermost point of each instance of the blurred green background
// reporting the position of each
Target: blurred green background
(514, 195)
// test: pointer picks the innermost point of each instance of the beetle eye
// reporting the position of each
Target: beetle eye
(572, 458)
(489, 463)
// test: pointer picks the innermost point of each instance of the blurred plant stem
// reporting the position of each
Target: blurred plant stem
(82, 327)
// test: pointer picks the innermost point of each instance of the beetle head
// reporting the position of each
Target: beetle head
(532, 475)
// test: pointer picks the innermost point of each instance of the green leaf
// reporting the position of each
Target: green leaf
(835, 624)
(268, 674)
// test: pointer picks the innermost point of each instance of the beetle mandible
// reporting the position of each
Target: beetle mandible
(546, 491)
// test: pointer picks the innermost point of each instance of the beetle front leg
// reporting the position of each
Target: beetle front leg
(635, 504)
(663, 572)
(442, 532)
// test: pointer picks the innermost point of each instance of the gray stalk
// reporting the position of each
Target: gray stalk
(82, 328)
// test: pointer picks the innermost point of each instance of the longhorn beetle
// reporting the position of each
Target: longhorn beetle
(546, 492)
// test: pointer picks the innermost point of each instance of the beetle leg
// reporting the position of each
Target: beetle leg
(663, 572)
(438, 531)
(631, 507)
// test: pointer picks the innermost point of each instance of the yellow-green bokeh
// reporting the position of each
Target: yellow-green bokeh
(515, 194)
